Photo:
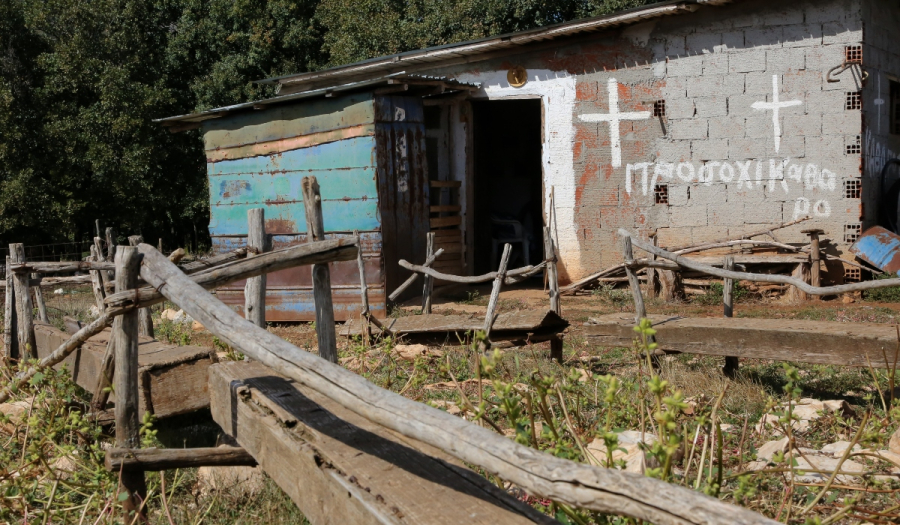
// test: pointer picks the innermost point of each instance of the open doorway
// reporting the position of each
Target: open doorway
(507, 182)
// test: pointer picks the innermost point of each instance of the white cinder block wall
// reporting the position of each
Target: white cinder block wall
(715, 161)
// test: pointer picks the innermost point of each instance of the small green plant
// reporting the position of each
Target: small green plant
(716, 292)
(890, 294)
(608, 293)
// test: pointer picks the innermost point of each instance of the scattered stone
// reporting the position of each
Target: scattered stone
(838, 406)
(64, 466)
(244, 480)
(893, 461)
(411, 352)
(176, 317)
(847, 299)
(168, 314)
(827, 465)
(451, 407)
(894, 443)
(838, 448)
(16, 411)
(584, 376)
(633, 454)
(58, 291)
(197, 326)
(768, 450)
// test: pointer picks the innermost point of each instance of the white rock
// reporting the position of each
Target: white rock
(894, 443)
(16, 411)
(893, 460)
(58, 291)
(827, 465)
(633, 454)
(768, 450)
(838, 448)
(837, 405)
(244, 480)
(411, 352)
(169, 314)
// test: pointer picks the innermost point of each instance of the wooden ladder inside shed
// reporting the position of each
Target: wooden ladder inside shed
(445, 218)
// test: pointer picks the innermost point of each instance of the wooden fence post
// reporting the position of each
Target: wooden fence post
(651, 272)
(145, 319)
(731, 363)
(10, 338)
(255, 289)
(428, 288)
(97, 281)
(111, 238)
(814, 258)
(39, 300)
(128, 424)
(321, 275)
(640, 311)
(24, 306)
(556, 343)
(495, 292)
(363, 290)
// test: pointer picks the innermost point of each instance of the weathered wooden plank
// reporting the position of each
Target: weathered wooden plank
(153, 459)
(145, 320)
(445, 183)
(174, 377)
(520, 321)
(321, 274)
(818, 342)
(10, 324)
(39, 300)
(24, 306)
(340, 468)
(449, 208)
(441, 222)
(255, 288)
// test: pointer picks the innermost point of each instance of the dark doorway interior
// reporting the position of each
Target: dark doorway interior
(507, 180)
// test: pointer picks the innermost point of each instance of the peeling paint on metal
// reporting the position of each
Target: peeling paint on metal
(879, 247)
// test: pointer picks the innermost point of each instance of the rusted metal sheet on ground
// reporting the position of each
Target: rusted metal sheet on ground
(544, 321)
(402, 182)
(880, 248)
(289, 295)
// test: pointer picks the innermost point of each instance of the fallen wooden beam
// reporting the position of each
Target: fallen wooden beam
(154, 459)
(341, 468)
(509, 323)
(817, 342)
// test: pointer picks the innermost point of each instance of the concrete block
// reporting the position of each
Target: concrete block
(693, 214)
(674, 88)
(658, 68)
(710, 149)
(726, 127)
(846, 81)
(747, 60)
(673, 236)
(715, 64)
(759, 84)
(765, 212)
(819, 12)
(809, 125)
(848, 122)
(764, 37)
(715, 106)
(822, 58)
(673, 150)
(848, 32)
(705, 86)
(681, 107)
(802, 35)
(785, 59)
(675, 46)
(784, 15)
(711, 233)
(678, 194)
(760, 126)
(704, 42)
(732, 41)
(715, 193)
(726, 214)
(688, 129)
(742, 105)
(789, 145)
(746, 148)
(684, 66)
(819, 149)
(749, 18)
(825, 102)
(746, 193)
(804, 81)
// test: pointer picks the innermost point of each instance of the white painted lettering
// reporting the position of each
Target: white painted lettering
(726, 167)
(685, 167)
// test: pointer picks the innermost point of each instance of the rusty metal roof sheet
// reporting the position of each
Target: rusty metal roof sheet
(394, 78)
(459, 51)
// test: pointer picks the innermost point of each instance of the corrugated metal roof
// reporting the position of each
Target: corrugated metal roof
(461, 50)
(395, 78)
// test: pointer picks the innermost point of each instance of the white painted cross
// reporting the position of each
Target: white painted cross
(775, 106)
(614, 117)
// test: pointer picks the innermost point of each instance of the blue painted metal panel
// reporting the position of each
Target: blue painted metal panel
(267, 188)
(358, 152)
(879, 247)
(340, 215)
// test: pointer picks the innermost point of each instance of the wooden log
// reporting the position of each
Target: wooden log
(428, 287)
(111, 240)
(511, 275)
(495, 292)
(640, 311)
(321, 274)
(338, 467)
(761, 278)
(537, 473)
(24, 306)
(651, 272)
(97, 282)
(299, 255)
(61, 267)
(145, 320)
(105, 373)
(255, 289)
(550, 255)
(155, 459)
(50, 282)
(39, 300)
(756, 233)
(207, 264)
(364, 292)
(179, 254)
(10, 337)
(128, 423)
(731, 363)
(814, 258)
(412, 278)
(62, 352)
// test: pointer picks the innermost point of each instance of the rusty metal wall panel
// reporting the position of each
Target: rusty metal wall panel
(402, 183)
(289, 292)
(288, 122)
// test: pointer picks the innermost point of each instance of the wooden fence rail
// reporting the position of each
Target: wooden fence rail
(540, 474)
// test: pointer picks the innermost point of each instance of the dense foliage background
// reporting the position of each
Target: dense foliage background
(81, 81)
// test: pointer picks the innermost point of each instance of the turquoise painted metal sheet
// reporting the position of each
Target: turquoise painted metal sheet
(266, 188)
(879, 247)
(358, 152)
(289, 217)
